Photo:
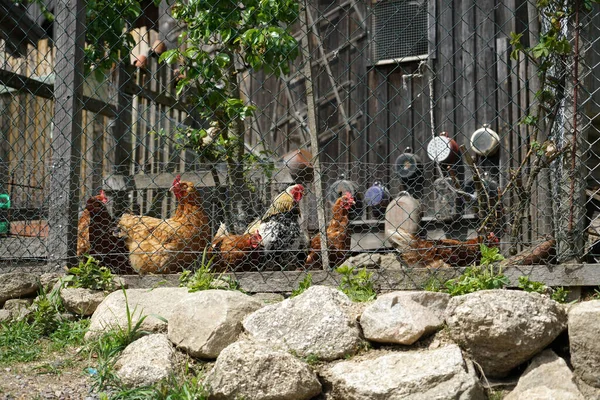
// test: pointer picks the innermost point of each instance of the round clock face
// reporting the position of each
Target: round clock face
(438, 149)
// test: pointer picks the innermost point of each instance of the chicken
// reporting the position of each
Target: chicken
(235, 252)
(110, 251)
(164, 246)
(282, 238)
(83, 228)
(338, 236)
(453, 252)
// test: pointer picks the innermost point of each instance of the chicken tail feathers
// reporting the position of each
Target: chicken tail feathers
(222, 231)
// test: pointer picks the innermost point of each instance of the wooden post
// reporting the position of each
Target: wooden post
(65, 144)
(314, 140)
(121, 131)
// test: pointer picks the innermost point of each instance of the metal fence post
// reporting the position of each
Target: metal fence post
(65, 144)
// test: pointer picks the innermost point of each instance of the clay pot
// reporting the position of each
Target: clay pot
(299, 164)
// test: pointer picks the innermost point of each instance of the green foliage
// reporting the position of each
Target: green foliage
(433, 284)
(303, 285)
(204, 279)
(90, 275)
(19, 342)
(476, 278)
(482, 277)
(558, 294)
(312, 359)
(69, 333)
(357, 285)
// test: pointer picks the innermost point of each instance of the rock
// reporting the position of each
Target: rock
(15, 285)
(49, 279)
(584, 325)
(81, 301)
(208, 321)
(547, 377)
(19, 308)
(5, 315)
(112, 312)
(375, 260)
(500, 329)
(318, 322)
(417, 375)
(435, 302)
(396, 318)
(268, 298)
(146, 361)
(252, 371)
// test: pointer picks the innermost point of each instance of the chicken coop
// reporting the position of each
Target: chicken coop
(419, 131)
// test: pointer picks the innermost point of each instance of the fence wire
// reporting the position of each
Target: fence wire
(438, 135)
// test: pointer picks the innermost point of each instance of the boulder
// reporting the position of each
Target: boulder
(500, 329)
(252, 371)
(396, 318)
(19, 308)
(81, 301)
(417, 375)
(146, 361)
(547, 377)
(268, 298)
(319, 322)
(5, 315)
(584, 325)
(155, 304)
(15, 285)
(208, 321)
(375, 260)
(435, 302)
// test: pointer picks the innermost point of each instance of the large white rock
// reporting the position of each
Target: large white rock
(15, 285)
(547, 377)
(208, 321)
(81, 301)
(253, 371)
(417, 375)
(501, 329)
(584, 330)
(146, 361)
(396, 318)
(152, 303)
(318, 322)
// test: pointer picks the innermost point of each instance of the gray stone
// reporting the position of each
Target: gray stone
(15, 285)
(435, 302)
(146, 361)
(19, 308)
(547, 377)
(500, 329)
(584, 325)
(208, 321)
(49, 279)
(318, 322)
(5, 315)
(252, 371)
(155, 304)
(375, 261)
(81, 301)
(417, 375)
(396, 318)
(268, 298)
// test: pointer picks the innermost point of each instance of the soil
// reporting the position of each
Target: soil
(55, 376)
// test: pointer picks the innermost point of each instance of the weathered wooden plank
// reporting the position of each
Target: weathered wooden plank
(445, 69)
(486, 87)
(64, 179)
(467, 99)
(386, 280)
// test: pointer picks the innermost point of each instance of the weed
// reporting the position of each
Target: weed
(303, 285)
(19, 342)
(69, 333)
(312, 359)
(433, 284)
(489, 255)
(204, 279)
(90, 275)
(558, 294)
(357, 285)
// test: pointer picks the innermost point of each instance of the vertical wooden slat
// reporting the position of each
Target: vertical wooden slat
(445, 69)
(64, 181)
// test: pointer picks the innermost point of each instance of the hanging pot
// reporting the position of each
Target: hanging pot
(341, 186)
(404, 213)
(299, 164)
(484, 141)
(408, 166)
(443, 149)
(377, 197)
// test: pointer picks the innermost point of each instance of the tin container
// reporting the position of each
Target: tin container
(443, 149)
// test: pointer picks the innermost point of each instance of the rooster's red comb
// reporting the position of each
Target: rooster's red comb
(103, 197)
(177, 180)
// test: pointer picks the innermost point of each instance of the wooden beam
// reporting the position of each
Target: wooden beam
(65, 145)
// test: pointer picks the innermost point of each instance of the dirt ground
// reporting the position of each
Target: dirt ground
(58, 376)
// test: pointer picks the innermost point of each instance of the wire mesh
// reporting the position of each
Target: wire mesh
(426, 133)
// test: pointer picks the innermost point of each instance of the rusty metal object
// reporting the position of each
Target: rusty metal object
(299, 163)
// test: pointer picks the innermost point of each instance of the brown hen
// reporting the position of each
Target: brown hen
(170, 245)
(235, 252)
(338, 235)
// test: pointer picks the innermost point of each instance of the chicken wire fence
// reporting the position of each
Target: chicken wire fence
(174, 139)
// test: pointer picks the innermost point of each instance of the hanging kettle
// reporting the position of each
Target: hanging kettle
(484, 141)
(443, 149)
(377, 197)
(408, 166)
